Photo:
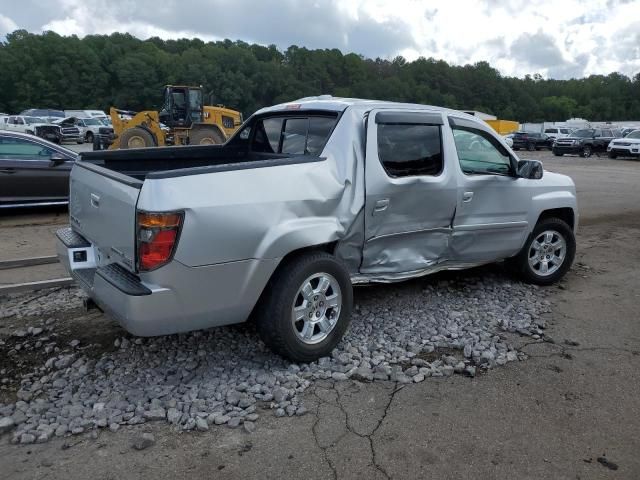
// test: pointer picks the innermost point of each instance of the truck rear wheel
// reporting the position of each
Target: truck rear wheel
(206, 136)
(587, 151)
(306, 307)
(136, 137)
(547, 254)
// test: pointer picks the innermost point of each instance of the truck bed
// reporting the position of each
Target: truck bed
(169, 162)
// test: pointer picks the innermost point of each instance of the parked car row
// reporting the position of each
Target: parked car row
(584, 142)
(57, 126)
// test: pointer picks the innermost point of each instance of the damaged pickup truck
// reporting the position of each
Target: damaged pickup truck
(305, 200)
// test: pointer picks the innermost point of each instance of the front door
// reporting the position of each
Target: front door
(410, 193)
(492, 204)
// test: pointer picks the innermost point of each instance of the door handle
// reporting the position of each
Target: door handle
(95, 200)
(467, 197)
(7, 170)
(381, 205)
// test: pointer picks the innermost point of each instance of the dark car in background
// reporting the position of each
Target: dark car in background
(33, 171)
(585, 142)
(531, 141)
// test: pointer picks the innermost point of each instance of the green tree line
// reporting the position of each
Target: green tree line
(52, 71)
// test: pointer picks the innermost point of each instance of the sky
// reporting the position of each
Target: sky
(557, 39)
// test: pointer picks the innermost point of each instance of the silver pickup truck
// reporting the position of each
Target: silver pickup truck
(307, 199)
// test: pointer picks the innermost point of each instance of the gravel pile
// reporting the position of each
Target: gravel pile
(41, 302)
(226, 376)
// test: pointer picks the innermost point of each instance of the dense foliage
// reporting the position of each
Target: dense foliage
(97, 71)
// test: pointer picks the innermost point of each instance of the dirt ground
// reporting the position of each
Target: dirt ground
(571, 411)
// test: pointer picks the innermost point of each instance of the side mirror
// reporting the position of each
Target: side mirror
(531, 169)
(56, 159)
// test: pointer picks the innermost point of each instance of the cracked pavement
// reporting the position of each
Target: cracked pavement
(571, 410)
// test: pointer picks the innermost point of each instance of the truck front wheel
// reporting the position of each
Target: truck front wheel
(547, 254)
(306, 307)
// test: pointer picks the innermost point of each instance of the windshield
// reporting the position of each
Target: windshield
(32, 120)
(587, 133)
(91, 121)
(634, 134)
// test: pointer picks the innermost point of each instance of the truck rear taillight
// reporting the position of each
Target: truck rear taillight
(157, 238)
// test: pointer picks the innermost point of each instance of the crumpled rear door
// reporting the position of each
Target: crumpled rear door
(410, 201)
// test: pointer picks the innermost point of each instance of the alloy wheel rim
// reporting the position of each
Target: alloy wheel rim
(547, 253)
(316, 308)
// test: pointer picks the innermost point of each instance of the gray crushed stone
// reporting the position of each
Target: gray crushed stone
(226, 376)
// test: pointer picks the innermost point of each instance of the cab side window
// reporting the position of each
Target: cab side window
(408, 150)
(479, 153)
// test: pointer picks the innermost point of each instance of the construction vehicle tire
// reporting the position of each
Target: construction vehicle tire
(206, 136)
(136, 137)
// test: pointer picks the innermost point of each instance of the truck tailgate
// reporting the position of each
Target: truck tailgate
(102, 208)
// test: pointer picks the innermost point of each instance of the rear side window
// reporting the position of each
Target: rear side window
(267, 135)
(297, 135)
(410, 150)
(551, 130)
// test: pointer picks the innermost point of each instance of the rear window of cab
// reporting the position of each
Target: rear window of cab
(290, 134)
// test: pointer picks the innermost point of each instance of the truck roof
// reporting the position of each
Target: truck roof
(339, 104)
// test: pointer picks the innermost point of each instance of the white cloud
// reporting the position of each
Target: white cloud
(559, 39)
(6, 25)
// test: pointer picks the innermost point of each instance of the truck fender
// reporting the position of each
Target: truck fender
(298, 233)
(552, 201)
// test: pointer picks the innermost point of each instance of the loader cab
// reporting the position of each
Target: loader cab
(183, 106)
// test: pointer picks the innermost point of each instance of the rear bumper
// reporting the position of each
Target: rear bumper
(172, 299)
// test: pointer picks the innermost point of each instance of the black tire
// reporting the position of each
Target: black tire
(206, 136)
(613, 155)
(521, 265)
(587, 151)
(537, 149)
(516, 149)
(531, 147)
(273, 313)
(136, 137)
(89, 137)
(557, 153)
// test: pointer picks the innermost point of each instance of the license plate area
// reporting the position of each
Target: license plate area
(81, 258)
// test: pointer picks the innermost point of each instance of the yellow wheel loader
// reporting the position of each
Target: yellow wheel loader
(183, 120)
